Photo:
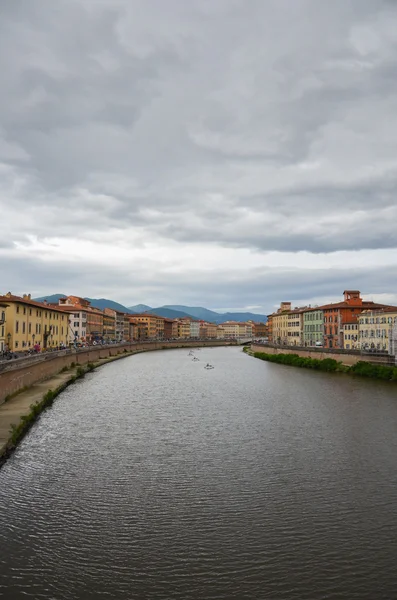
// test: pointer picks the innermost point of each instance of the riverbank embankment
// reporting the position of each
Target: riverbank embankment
(50, 375)
(20, 374)
(386, 372)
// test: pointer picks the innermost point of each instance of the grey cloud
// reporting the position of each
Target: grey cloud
(267, 124)
(264, 287)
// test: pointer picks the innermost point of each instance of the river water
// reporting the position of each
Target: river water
(154, 478)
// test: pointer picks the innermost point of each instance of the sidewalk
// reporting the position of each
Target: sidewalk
(12, 411)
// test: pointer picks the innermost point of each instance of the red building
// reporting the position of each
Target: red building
(336, 315)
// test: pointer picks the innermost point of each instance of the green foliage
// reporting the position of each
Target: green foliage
(72, 365)
(90, 366)
(364, 369)
(64, 369)
(328, 364)
(80, 371)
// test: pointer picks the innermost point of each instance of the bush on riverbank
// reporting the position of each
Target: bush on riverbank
(363, 369)
(327, 364)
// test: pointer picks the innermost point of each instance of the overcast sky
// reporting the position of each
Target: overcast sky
(223, 153)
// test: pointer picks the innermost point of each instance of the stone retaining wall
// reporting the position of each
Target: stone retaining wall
(342, 356)
(16, 375)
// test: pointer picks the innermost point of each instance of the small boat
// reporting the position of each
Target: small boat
(208, 366)
(195, 359)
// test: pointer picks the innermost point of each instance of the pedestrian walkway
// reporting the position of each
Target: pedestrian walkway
(12, 411)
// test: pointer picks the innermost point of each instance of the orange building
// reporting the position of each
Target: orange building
(170, 328)
(154, 324)
(259, 330)
(336, 315)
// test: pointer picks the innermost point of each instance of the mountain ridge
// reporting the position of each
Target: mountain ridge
(169, 311)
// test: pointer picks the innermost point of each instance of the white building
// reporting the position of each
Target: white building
(194, 329)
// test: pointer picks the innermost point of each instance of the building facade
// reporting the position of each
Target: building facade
(183, 328)
(350, 335)
(280, 321)
(208, 330)
(375, 329)
(109, 326)
(259, 330)
(94, 324)
(295, 327)
(336, 315)
(220, 332)
(29, 323)
(194, 329)
(3, 342)
(313, 327)
(154, 324)
(77, 307)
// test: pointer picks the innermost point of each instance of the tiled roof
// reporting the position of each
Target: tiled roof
(364, 306)
(30, 302)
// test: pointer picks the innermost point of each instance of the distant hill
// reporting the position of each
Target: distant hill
(176, 311)
(105, 303)
(52, 299)
(199, 312)
(138, 308)
(98, 302)
(244, 316)
(168, 313)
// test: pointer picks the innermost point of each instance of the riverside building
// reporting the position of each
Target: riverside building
(375, 329)
(313, 327)
(28, 323)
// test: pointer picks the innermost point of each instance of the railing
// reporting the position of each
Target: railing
(385, 357)
(49, 353)
(324, 350)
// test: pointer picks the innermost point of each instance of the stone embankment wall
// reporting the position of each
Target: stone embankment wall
(343, 356)
(21, 373)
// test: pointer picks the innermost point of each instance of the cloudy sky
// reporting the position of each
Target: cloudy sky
(223, 153)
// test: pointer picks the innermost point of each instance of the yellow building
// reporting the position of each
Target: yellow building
(376, 329)
(350, 335)
(28, 323)
(208, 330)
(280, 321)
(154, 324)
(220, 332)
(295, 327)
(231, 330)
(183, 328)
(3, 342)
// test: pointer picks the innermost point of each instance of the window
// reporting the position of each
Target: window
(30, 327)
(30, 312)
(17, 309)
(24, 310)
(23, 327)
(76, 324)
(16, 344)
(16, 326)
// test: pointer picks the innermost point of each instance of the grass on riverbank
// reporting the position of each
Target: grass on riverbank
(330, 365)
(17, 432)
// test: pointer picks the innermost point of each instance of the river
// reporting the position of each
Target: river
(154, 478)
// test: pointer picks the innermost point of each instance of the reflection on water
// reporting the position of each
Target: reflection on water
(155, 478)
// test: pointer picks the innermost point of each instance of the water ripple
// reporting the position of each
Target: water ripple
(155, 479)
